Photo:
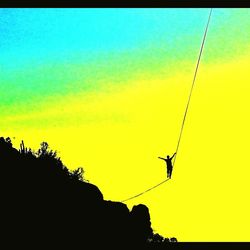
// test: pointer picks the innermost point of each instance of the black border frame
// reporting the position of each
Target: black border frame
(144, 4)
(125, 3)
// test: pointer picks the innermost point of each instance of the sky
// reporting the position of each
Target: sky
(107, 89)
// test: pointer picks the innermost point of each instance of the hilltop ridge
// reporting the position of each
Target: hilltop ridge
(47, 205)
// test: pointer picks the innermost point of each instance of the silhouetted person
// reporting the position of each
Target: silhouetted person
(169, 164)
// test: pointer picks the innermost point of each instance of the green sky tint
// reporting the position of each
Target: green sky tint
(41, 83)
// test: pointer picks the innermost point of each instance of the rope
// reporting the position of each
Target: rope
(192, 87)
(145, 191)
(186, 110)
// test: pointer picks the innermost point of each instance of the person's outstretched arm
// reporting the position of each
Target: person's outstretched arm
(173, 155)
(162, 158)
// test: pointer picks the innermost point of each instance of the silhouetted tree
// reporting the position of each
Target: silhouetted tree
(77, 174)
(8, 141)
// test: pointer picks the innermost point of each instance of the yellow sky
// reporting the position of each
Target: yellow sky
(208, 197)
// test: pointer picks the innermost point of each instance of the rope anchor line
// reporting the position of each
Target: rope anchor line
(186, 110)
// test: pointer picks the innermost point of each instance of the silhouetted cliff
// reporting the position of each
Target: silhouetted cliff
(45, 205)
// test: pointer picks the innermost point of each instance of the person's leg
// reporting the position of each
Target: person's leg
(170, 173)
